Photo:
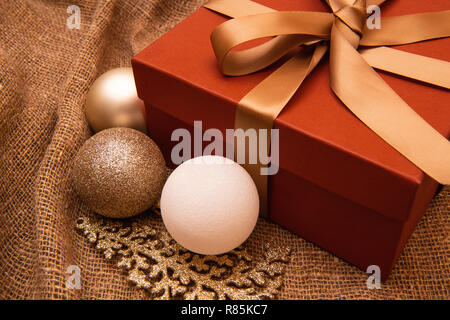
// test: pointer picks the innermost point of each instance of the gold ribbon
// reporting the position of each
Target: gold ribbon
(352, 78)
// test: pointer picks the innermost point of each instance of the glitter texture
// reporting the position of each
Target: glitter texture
(119, 172)
(156, 263)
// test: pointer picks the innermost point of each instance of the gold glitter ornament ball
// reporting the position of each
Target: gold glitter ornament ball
(119, 172)
(112, 101)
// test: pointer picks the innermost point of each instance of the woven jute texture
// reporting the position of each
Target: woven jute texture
(45, 72)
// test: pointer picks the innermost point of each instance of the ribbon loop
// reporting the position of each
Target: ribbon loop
(290, 30)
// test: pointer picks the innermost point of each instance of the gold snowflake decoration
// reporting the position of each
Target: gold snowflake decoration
(156, 263)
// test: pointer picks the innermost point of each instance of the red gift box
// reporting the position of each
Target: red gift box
(339, 185)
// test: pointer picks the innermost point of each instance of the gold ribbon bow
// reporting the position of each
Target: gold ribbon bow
(352, 78)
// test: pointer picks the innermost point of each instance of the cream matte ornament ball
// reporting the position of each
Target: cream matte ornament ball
(112, 101)
(210, 205)
(119, 172)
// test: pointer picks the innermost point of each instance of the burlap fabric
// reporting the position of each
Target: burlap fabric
(45, 72)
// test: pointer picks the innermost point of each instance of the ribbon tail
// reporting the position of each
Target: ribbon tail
(408, 29)
(413, 66)
(363, 91)
(259, 108)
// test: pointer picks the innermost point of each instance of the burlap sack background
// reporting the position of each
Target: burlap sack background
(45, 72)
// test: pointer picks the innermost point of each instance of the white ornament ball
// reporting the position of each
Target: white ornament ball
(210, 205)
